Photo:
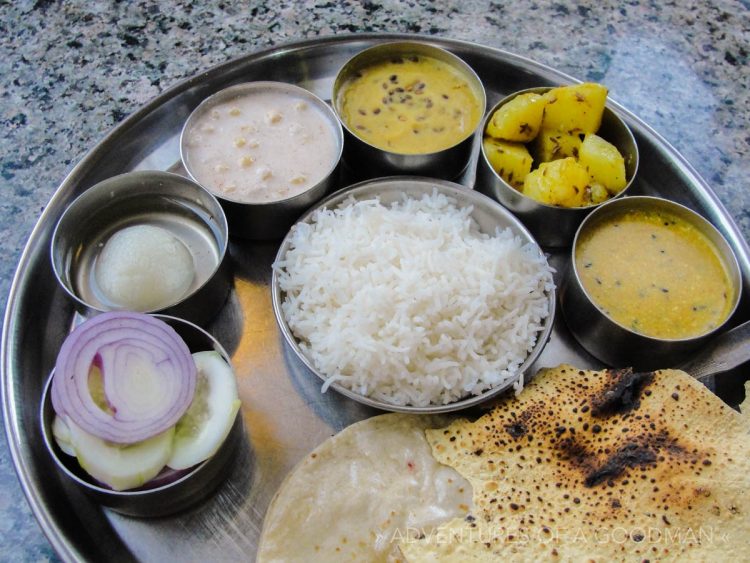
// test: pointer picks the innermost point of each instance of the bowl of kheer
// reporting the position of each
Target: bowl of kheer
(408, 108)
(266, 150)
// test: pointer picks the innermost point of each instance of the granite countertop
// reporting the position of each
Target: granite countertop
(73, 70)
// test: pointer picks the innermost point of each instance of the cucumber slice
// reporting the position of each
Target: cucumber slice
(120, 466)
(61, 432)
(208, 420)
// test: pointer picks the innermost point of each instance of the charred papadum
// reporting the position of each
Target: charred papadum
(609, 465)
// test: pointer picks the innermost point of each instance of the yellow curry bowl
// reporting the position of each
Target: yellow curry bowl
(649, 281)
(408, 108)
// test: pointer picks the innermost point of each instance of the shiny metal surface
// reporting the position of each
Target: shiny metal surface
(284, 413)
(722, 354)
(551, 225)
(614, 343)
(489, 217)
(371, 161)
(186, 491)
(155, 198)
(267, 220)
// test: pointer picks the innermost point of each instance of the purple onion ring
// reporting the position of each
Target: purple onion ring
(148, 374)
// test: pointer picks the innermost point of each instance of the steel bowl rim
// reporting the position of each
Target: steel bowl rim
(250, 86)
(450, 189)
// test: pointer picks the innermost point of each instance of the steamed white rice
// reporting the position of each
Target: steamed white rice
(410, 304)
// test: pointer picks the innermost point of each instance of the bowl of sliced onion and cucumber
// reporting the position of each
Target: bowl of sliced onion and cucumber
(142, 412)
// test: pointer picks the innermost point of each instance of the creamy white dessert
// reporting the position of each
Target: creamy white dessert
(144, 268)
(261, 146)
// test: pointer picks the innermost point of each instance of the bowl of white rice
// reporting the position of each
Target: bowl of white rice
(413, 295)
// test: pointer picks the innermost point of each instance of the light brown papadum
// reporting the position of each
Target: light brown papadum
(360, 492)
(745, 405)
(598, 466)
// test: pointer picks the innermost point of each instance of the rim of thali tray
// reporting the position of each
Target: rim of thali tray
(391, 189)
(20, 448)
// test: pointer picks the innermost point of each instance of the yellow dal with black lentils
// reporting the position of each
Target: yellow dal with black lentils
(655, 273)
(410, 105)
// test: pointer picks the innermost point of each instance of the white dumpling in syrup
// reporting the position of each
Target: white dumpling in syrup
(144, 268)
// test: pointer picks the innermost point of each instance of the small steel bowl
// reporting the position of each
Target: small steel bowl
(489, 217)
(614, 343)
(551, 225)
(162, 199)
(368, 160)
(271, 219)
(189, 489)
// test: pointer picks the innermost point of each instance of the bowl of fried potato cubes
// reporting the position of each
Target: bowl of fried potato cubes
(552, 154)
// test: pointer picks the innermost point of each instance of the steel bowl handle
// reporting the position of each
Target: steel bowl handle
(723, 353)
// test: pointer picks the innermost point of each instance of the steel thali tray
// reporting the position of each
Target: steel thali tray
(284, 412)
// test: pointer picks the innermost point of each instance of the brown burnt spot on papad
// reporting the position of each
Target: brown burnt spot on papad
(642, 446)
(622, 395)
(643, 452)
(516, 430)
(595, 451)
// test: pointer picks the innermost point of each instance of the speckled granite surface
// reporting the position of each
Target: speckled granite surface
(72, 70)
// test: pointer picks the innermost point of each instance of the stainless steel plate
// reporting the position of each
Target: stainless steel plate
(285, 414)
